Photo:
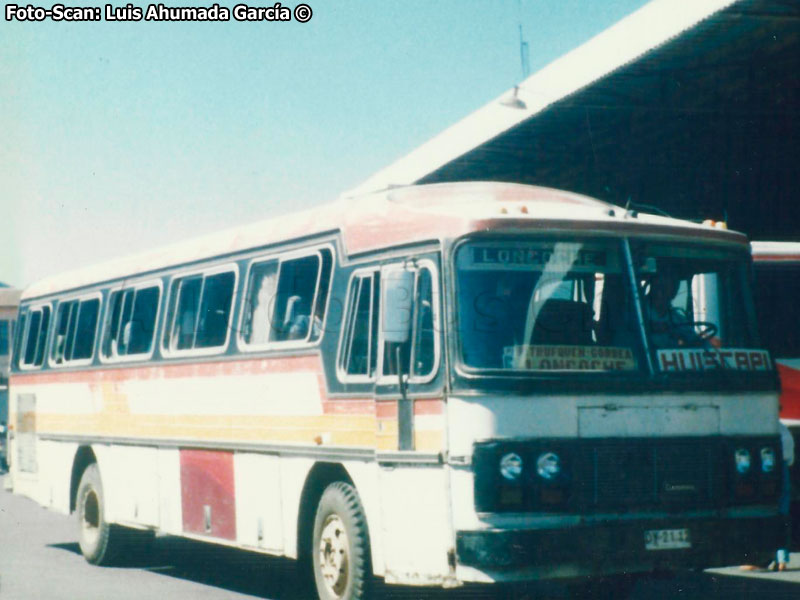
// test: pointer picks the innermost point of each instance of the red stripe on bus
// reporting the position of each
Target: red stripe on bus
(790, 392)
(208, 496)
(429, 406)
(252, 366)
(776, 258)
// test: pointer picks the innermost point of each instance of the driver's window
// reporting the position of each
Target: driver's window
(692, 298)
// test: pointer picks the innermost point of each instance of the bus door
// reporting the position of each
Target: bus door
(411, 422)
(409, 349)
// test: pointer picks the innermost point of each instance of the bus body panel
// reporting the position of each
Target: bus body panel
(416, 514)
(259, 510)
(488, 417)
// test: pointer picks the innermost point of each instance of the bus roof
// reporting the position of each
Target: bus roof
(776, 251)
(393, 217)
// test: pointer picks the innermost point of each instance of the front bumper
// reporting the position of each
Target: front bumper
(611, 546)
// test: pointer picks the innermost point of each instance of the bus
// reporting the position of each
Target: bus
(776, 268)
(9, 300)
(434, 385)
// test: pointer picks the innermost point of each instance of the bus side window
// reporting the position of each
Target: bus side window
(113, 344)
(285, 299)
(19, 334)
(37, 322)
(199, 313)
(111, 329)
(186, 317)
(261, 287)
(359, 342)
(66, 320)
(297, 282)
(321, 300)
(142, 325)
(423, 353)
(85, 329)
(131, 322)
(215, 310)
(76, 326)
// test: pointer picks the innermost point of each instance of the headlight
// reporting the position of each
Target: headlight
(548, 465)
(767, 460)
(511, 466)
(2, 429)
(742, 458)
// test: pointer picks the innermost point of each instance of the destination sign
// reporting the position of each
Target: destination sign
(558, 256)
(734, 359)
(569, 358)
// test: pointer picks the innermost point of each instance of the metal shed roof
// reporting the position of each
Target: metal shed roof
(689, 106)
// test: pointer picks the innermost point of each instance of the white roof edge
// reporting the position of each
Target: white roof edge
(221, 242)
(623, 42)
(787, 249)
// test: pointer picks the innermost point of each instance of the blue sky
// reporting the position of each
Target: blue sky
(117, 137)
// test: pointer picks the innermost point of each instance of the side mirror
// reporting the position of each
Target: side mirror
(398, 292)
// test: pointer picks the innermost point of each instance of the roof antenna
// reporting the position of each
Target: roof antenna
(513, 100)
(524, 57)
(630, 212)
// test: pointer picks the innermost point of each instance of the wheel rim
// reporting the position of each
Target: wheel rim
(334, 555)
(90, 517)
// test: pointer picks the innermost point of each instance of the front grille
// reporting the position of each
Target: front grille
(621, 475)
(634, 474)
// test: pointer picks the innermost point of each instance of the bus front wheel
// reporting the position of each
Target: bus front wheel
(99, 540)
(340, 545)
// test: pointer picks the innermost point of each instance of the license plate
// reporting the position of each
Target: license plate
(667, 539)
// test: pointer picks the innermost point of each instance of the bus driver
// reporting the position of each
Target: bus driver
(669, 325)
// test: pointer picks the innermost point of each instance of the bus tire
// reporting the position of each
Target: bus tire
(100, 542)
(340, 545)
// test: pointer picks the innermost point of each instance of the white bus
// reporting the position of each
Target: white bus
(776, 268)
(777, 276)
(9, 301)
(474, 382)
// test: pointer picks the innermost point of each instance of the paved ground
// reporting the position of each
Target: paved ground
(40, 559)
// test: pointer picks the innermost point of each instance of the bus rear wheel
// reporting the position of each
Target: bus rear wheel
(340, 545)
(100, 542)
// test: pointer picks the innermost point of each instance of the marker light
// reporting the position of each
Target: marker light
(548, 465)
(511, 466)
(767, 460)
(742, 458)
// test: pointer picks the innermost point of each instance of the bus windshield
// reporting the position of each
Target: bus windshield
(545, 305)
(696, 308)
